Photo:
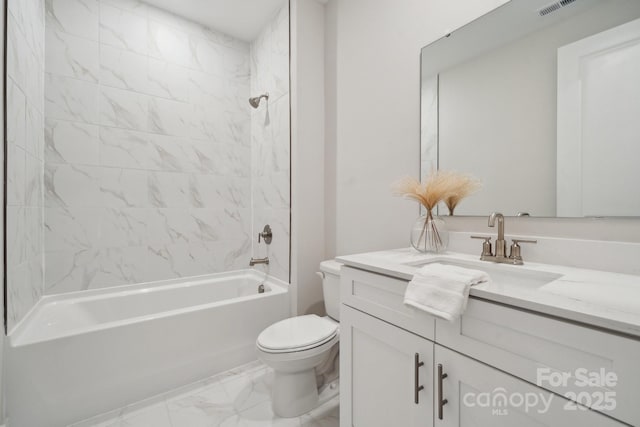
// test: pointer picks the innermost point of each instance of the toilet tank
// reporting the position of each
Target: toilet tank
(330, 272)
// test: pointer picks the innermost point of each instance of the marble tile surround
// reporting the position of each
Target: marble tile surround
(149, 149)
(239, 397)
(270, 142)
(25, 145)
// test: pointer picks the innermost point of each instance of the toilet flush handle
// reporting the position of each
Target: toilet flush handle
(321, 274)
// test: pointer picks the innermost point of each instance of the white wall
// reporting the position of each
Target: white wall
(378, 124)
(378, 105)
(307, 153)
(330, 125)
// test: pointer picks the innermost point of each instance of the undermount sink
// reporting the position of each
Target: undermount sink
(500, 274)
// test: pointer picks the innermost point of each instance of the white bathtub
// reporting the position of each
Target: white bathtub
(79, 355)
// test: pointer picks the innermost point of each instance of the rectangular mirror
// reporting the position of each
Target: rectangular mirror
(540, 100)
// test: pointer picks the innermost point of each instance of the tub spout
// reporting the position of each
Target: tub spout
(255, 261)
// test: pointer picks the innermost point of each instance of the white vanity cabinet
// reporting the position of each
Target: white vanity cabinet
(490, 355)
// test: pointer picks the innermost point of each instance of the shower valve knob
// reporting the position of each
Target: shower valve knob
(266, 235)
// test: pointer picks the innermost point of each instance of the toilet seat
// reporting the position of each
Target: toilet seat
(297, 334)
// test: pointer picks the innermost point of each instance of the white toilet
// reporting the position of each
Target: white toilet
(295, 347)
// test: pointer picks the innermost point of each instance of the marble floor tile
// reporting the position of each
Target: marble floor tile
(249, 389)
(152, 416)
(209, 406)
(326, 415)
(259, 415)
(239, 397)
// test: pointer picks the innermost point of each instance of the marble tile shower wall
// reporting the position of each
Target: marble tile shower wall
(270, 141)
(25, 142)
(148, 146)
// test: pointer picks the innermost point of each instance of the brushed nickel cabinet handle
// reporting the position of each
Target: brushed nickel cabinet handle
(441, 401)
(418, 388)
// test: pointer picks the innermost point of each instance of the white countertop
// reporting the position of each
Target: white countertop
(595, 298)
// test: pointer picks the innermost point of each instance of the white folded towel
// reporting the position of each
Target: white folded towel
(442, 290)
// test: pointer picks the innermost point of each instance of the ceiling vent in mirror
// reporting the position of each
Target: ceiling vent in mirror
(554, 6)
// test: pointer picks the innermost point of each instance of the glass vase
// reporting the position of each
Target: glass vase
(429, 234)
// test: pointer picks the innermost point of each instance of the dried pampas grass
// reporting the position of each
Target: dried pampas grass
(461, 187)
(433, 191)
(440, 186)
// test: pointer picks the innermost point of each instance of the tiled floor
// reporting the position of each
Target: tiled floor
(240, 397)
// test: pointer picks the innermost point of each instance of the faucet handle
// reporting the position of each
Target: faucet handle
(266, 234)
(486, 246)
(514, 253)
(523, 241)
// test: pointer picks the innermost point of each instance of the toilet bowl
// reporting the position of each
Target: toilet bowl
(295, 347)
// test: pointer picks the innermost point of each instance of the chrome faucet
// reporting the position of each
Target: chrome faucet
(500, 256)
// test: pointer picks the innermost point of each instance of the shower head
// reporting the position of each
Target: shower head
(255, 102)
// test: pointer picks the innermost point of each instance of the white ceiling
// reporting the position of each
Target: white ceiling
(243, 19)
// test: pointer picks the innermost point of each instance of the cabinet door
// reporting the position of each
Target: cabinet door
(479, 395)
(381, 370)
(526, 345)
